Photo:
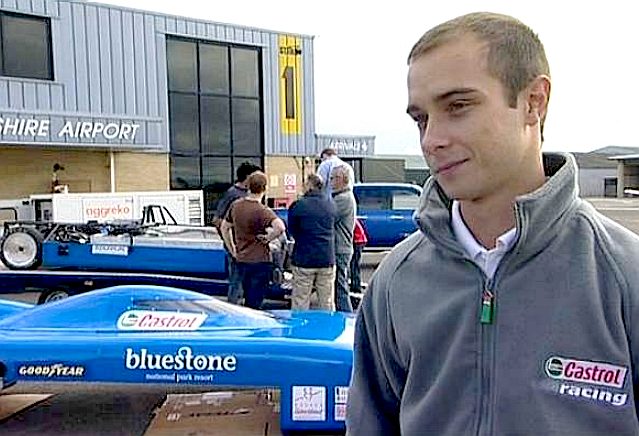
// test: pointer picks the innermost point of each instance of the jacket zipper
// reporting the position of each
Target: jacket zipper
(487, 307)
(485, 421)
(486, 319)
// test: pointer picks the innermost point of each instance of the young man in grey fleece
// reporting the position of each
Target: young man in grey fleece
(515, 309)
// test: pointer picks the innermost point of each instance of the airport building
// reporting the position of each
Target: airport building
(129, 100)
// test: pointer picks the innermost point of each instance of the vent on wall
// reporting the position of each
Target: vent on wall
(195, 211)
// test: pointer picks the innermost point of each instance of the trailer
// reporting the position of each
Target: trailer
(62, 259)
(187, 207)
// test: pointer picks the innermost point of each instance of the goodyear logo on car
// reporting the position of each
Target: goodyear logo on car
(160, 320)
(55, 370)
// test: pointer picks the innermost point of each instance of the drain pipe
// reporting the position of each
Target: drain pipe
(112, 169)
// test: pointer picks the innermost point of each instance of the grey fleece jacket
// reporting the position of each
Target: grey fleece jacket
(560, 355)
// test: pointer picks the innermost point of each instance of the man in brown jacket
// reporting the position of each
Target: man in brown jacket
(247, 229)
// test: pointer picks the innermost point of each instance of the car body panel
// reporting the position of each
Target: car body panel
(159, 335)
(195, 260)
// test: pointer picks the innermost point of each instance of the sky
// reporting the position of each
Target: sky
(361, 49)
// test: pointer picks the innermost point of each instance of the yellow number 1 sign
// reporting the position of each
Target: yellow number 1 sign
(290, 84)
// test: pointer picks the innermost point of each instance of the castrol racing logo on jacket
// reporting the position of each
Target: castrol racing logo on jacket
(584, 371)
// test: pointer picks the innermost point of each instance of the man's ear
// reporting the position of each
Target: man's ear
(537, 96)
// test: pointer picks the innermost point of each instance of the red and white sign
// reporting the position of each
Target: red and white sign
(585, 371)
(290, 183)
(158, 320)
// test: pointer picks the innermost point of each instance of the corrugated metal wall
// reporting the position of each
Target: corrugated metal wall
(592, 181)
(110, 67)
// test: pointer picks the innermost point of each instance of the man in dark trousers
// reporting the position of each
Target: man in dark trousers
(345, 205)
(238, 190)
(310, 223)
(247, 230)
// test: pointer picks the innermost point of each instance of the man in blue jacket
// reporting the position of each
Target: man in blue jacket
(513, 310)
(310, 223)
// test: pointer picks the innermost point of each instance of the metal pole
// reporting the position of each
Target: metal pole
(112, 169)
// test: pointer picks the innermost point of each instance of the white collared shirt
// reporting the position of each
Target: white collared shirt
(487, 260)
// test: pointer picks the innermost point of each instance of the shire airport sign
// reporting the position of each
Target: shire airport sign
(32, 128)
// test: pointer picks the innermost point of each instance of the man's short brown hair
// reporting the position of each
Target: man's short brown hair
(329, 151)
(314, 183)
(515, 54)
(257, 182)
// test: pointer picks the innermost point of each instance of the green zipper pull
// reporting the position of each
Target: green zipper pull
(487, 307)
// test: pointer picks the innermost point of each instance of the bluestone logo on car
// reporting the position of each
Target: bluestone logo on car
(585, 371)
(159, 320)
(182, 359)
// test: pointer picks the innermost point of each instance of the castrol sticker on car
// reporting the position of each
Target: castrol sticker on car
(585, 371)
(160, 320)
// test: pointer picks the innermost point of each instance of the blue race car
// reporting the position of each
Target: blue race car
(160, 335)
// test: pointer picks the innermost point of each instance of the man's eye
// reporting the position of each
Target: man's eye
(458, 105)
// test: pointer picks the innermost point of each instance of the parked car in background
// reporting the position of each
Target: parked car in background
(385, 210)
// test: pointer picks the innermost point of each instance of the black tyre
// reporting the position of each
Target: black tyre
(53, 295)
(21, 249)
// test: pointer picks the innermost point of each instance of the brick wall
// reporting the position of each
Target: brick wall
(141, 172)
(281, 169)
(25, 171)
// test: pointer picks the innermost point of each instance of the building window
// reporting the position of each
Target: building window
(215, 113)
(25, 46)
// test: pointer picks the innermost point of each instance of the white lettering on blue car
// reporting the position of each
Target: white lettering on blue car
(54, 370)
(182, 359)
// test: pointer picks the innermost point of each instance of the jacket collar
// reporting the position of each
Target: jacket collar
(539, 214)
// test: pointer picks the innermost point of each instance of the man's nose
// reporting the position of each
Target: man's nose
(433, 138)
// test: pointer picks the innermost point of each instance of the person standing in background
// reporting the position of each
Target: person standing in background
(330, 160)
(359, 242)
(311, 221)
(345, 206)
(246, 233)
(235, 192)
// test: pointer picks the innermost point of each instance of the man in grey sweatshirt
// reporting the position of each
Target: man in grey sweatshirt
(345, 206)
(514, 309)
